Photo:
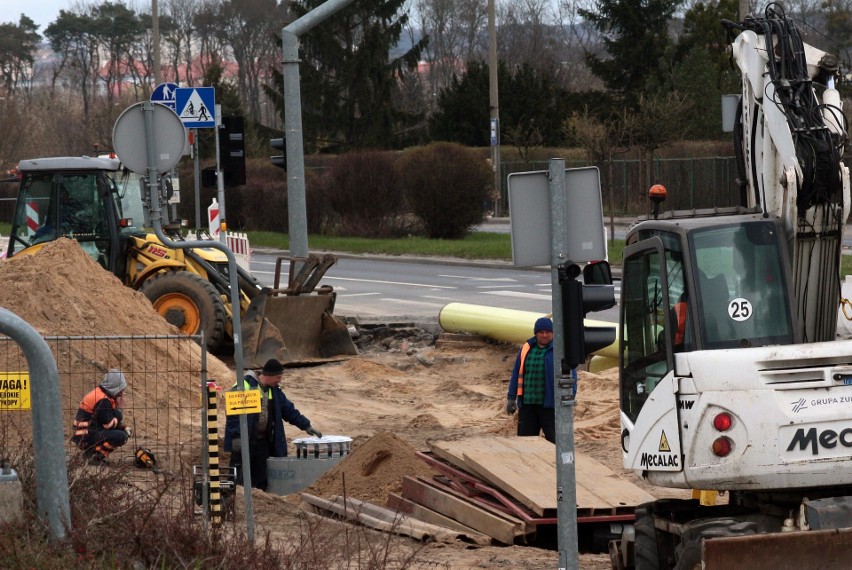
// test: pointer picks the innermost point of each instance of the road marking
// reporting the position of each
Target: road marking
(517, 294)
(350, 295)
(411, 303)
(479, 278)
(355, 280)
(389, 282)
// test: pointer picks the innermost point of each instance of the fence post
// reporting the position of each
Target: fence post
(51, 471)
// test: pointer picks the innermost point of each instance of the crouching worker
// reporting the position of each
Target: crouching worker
(265, 430)
(98, 427)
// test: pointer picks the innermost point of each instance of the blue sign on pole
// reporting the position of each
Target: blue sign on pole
(164, 94)
(196, 107)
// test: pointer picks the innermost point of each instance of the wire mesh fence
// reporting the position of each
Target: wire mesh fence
(162, 403)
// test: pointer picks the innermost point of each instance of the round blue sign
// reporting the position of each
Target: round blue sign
(164, 94)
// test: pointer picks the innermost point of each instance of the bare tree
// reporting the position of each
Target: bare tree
(250, 27)
(456, 30)
(180, 36)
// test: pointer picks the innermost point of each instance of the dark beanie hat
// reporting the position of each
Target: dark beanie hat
(272, 368)
(543, 324)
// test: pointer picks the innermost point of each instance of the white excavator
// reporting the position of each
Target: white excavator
(731, 379)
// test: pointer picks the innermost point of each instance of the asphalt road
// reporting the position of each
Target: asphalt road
(390, 287)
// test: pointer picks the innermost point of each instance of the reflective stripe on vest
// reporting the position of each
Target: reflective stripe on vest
(524, 351)
(247, 386)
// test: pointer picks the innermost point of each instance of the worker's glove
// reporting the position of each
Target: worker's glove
(236, 445)
(129, 431)
(511, 407)
(313, 431)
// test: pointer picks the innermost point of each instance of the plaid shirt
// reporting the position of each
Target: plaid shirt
(534, 377)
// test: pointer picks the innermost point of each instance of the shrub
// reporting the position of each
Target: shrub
(446, 185)
(364, 196)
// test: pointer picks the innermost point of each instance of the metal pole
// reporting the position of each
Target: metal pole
(48, 437)
(220, 183)
(494, 106)
(155, 38)
(294, 143)
(197, 172)
(154, 211)
(566, 381)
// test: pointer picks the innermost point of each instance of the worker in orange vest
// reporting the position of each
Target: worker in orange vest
(531, 385)
(98, 426)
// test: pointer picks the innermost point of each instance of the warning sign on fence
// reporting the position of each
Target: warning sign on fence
(242, 402)
(14, 391)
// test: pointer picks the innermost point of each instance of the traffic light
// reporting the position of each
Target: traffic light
(281, 160)
(232, 151)
(577, 300)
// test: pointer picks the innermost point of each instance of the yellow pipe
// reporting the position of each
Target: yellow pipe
(506, 325)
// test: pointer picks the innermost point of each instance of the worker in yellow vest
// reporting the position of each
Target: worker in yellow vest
(266, 435)
(531, 385)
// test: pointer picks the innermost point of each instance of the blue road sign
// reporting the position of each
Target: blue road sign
(196, 107)
(164, 94)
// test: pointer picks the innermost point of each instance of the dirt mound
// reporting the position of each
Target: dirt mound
(61, 291)
(373, 470)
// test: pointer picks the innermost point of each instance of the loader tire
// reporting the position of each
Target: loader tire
(688, 552)
(190, 303)
(645, 547)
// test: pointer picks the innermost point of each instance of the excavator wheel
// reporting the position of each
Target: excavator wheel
(190, 303)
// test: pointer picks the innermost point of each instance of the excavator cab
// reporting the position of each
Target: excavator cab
(700, 284)
(68, 197)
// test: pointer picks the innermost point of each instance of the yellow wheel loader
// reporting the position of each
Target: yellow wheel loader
(94, 202)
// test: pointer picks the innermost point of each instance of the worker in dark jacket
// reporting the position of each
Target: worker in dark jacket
(531, 385)
(99, 424)
(265, 430)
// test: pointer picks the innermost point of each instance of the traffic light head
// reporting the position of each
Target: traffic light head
(280, 160)
(577, 300)
(232, 154)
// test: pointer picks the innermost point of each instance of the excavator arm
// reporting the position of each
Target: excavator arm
(790, 136)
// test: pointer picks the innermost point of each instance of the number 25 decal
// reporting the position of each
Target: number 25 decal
(740, 309)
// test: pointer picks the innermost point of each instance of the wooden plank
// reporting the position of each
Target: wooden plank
(499, 528)
(525, 469)
(381, 518)
(427, 515)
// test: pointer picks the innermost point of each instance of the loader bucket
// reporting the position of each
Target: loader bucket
(299, 314)
(303, 323)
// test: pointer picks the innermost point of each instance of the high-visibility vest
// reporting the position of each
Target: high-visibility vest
(86, 413)
(524, 351)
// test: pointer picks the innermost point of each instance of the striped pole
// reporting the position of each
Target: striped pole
(32, 217)
(213, 459)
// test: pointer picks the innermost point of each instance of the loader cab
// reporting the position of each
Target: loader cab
(699, 284)
(73, 197)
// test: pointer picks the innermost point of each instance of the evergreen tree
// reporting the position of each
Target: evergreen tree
(349, 80)
(532, 107)
(635, 35)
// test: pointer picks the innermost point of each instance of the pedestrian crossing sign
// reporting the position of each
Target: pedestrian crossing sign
(196, 107)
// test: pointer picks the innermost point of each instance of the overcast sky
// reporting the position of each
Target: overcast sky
(42, 12)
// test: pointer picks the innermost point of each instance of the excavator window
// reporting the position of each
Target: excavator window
(646, 323)
(741, 289)
(53, 205)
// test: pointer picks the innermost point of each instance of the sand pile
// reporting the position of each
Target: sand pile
(61, 291)
(373, 470)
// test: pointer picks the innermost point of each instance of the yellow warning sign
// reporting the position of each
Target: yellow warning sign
(242, 402)
(15, 391)
(664, 443)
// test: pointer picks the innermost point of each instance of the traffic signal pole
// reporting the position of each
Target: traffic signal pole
(566, 380)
